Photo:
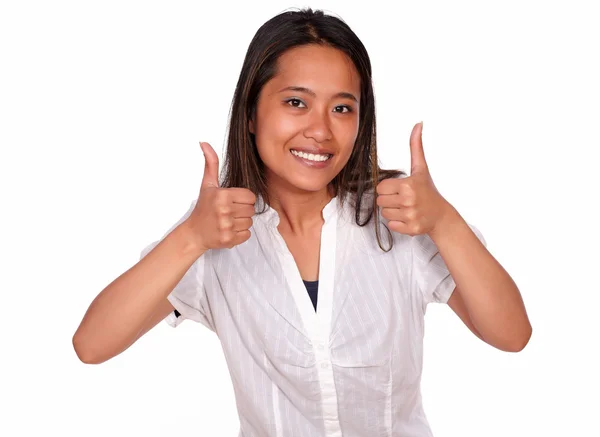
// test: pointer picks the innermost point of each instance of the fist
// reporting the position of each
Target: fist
(412, 204)
(222, 217)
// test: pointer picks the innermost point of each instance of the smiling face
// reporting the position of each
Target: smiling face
(307, 118)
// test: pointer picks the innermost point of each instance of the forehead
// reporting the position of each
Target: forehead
(325, 70)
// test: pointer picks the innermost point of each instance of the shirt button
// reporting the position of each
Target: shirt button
(324, 365)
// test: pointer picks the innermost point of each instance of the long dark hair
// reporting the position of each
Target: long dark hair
(243, 166)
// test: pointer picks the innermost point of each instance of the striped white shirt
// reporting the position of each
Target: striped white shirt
(351, 368)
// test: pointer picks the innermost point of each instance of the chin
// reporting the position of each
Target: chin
(312, 187)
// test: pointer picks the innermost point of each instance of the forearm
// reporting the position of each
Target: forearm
(490, 295)
(117, 315)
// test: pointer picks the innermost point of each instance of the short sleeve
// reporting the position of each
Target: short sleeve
(430, 271)
(189, 295)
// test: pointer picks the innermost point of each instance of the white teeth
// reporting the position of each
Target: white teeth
(310, 156)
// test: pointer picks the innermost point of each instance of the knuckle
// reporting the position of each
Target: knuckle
(416, 229)
(223, 210)
(222, 196)
(225, 225)
(225, 238)
(409, 200)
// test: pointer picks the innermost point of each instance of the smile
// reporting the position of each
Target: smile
(311, 156)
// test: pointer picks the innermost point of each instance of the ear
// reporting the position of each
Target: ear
(252, 121)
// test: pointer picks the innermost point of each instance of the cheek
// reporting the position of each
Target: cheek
(273, 131)
(344, 157)
(347, 137)
(283, 127)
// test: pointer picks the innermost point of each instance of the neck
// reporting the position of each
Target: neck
(300, 213)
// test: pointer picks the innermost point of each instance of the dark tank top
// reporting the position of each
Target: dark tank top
(312, 287)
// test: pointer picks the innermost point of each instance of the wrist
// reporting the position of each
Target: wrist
(188, 240)
(447, 222)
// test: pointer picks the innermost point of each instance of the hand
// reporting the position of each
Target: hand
(222, 217)
(412, 204)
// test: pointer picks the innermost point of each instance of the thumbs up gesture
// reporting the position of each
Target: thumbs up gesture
(412, 204)
(222, 217)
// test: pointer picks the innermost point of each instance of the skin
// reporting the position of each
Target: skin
(299, 193)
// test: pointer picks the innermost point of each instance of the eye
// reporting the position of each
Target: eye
(346, 107)
(294, 102)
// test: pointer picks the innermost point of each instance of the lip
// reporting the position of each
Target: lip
(311, 164)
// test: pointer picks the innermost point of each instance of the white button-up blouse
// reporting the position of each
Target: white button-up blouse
(351, 368)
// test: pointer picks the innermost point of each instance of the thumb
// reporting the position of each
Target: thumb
(211, 167)
(417, 155)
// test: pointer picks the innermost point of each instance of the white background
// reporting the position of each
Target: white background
(102, 106)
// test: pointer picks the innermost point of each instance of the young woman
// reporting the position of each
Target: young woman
(312, 265)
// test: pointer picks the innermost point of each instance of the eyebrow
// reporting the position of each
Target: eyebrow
(301, 89)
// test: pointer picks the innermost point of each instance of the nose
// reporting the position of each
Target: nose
(318, 126)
